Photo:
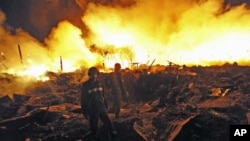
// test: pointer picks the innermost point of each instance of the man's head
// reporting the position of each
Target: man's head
(117, 67)
(93, 72)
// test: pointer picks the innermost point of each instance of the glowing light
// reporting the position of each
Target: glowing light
(186, 32)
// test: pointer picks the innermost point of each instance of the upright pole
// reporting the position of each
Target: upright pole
(61, 64)
(20, 53)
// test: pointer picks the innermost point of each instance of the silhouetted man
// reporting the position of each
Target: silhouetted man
(116, 83)
(93, 103)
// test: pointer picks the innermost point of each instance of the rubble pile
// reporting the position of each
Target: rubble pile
(196, 103)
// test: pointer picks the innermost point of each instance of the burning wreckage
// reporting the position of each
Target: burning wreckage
(194, 103)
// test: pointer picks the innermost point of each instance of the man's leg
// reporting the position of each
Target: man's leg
(93, 121)
(108, 125)
(117, 106)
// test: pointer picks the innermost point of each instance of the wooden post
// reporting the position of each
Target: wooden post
(20, 53)
(61, 64)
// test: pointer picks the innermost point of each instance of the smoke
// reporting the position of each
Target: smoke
(9, 48)
(2, 18)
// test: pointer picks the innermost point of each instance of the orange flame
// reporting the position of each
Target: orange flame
(183, 32)
(186, 32)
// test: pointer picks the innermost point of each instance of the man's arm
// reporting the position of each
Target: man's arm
(123, 86)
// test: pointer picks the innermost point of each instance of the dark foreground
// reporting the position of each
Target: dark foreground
(196, 104)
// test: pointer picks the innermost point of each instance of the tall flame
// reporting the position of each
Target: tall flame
(186, 32)
(181, 31)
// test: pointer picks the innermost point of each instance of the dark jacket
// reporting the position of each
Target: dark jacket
(92, 97)
(115, 81)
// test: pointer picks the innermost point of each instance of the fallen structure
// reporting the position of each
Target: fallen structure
(197, 103)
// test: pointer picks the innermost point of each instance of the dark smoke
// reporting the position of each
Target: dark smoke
(39, 16)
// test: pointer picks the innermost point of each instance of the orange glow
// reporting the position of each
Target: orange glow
(186, 32)
(191, 34)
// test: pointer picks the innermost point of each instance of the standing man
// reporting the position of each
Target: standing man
(93, 103)
(116, 83)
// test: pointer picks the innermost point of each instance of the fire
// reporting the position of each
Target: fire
(186, 32)
(35, 72)
(191, 34)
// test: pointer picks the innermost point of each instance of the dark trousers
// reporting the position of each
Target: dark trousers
(103, 115)
(117, 104)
